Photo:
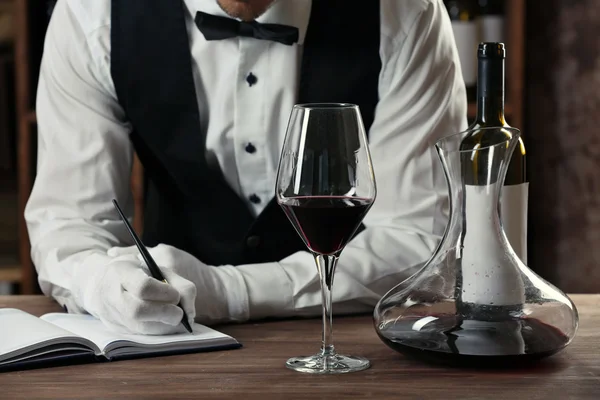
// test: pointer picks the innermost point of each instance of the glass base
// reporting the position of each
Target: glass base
(328, 364)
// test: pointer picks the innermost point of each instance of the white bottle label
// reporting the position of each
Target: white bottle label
(465, 34)
(486, 277)
(492, 28)
(513, 214)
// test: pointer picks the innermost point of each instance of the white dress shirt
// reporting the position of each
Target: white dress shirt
(85, 155)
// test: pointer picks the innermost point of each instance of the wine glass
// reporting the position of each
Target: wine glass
(326, 185)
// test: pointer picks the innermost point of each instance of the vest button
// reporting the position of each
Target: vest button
(251, 79)
(255, 199)
(250, 148)
(253, 241)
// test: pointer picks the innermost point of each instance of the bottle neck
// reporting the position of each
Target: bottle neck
(490, 92)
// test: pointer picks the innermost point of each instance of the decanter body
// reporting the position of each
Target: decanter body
(474, 302)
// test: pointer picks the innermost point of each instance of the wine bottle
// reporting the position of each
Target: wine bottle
(491, 20)
(464, 25)
(490, 113)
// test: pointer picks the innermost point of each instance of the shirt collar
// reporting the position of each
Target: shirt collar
(287, 12)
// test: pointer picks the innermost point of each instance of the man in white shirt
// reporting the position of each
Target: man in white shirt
(206, 110)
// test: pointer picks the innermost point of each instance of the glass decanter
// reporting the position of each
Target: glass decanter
(474, 302)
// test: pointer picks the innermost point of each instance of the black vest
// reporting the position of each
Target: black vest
(188, 204)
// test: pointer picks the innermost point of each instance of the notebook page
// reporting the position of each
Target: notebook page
(93, 329)
(21, 332)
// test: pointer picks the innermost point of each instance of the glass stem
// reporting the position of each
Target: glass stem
(326, 265)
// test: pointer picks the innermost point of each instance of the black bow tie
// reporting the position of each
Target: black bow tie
(216, 28)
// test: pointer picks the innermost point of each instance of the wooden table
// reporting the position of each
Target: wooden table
(257, 370)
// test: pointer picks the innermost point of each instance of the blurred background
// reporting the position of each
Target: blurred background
(553, 96)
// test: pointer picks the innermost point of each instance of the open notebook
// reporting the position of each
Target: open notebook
(26, 340)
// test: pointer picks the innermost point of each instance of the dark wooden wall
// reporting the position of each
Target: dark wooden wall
(563, 137)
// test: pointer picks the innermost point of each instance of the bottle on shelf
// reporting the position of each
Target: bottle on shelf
(490, 113)
(491, 20)
(463, 15)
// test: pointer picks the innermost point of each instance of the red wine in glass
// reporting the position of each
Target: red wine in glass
(326, 223)
(326, 186)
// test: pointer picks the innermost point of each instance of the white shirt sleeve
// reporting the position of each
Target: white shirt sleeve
(84, 161)
(422, 98)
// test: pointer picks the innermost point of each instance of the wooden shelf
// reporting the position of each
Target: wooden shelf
(11, 274)
(10, 270)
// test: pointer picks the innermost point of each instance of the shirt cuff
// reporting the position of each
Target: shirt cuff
(268, 288)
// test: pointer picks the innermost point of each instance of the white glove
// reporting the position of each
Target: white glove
(221, 291)
(126, 299)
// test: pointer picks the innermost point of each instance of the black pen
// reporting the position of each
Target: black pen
(154, 270)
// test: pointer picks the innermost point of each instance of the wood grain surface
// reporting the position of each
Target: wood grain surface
(257, 370)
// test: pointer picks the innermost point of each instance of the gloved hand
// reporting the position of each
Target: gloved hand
(126, 299)
(221, 291)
